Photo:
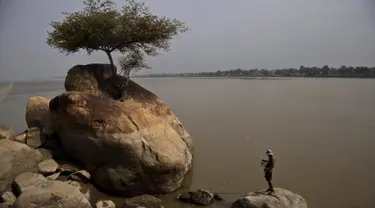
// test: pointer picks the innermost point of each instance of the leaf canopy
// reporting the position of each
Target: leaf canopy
(131, 29)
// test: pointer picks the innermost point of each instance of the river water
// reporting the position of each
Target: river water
(322, 132)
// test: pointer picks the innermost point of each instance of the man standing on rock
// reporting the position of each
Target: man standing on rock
(268, 167)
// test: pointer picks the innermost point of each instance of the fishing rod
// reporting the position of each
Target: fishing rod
(256, 150)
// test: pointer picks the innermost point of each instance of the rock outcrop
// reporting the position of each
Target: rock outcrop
(128, 150)
(282, 198)
(132, 147)
(16, 158)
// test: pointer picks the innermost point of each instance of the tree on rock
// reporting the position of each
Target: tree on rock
(132, 30)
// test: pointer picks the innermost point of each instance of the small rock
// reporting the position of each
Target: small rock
(21, 137)
(46, 153)
(53, 176)
(28, 180)
(145, 201)
(6, 132)
(105, 204)
(80, 176)
(33, 138)
(202, 197)
(199, 197)
(185, 197)
(67, 169)
(8, 197)
(82, 188)
(48, 166)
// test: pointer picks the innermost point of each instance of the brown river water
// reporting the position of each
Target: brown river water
(322, 132)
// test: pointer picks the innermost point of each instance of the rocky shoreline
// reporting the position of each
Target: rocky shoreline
(122, 140)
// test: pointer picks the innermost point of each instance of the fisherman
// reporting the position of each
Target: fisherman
(268, 167)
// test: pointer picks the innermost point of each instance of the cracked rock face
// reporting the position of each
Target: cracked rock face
(128, 150)
(129, 147)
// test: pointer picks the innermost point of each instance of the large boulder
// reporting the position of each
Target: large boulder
(16, 158)
(52, 194)
(90, 78)
(280, 199)
(37, 111)
(128, 148)
(102, 80)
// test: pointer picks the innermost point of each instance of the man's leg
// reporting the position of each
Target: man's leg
(270, 186)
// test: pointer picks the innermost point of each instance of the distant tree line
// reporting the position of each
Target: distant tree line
(303, 71)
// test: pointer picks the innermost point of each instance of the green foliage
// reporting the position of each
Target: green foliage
(133, 29)
(132, 62)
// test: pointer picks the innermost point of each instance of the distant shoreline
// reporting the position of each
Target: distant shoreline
(314, 72)
(246, 77)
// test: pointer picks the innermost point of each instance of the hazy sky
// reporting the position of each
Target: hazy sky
(224, 34)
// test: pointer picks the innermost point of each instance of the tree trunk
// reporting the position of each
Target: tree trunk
(110, 59)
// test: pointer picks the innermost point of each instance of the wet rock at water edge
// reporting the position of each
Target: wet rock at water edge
(48, 167)
(145, 201)
(28, 180)
(105, 204)
(281, 198)
(199, 197)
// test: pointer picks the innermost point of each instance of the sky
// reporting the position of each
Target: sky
(224, 34)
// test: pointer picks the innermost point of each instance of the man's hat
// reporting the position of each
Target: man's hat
(269, 152)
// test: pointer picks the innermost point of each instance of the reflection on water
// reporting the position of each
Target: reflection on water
(321, 131)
